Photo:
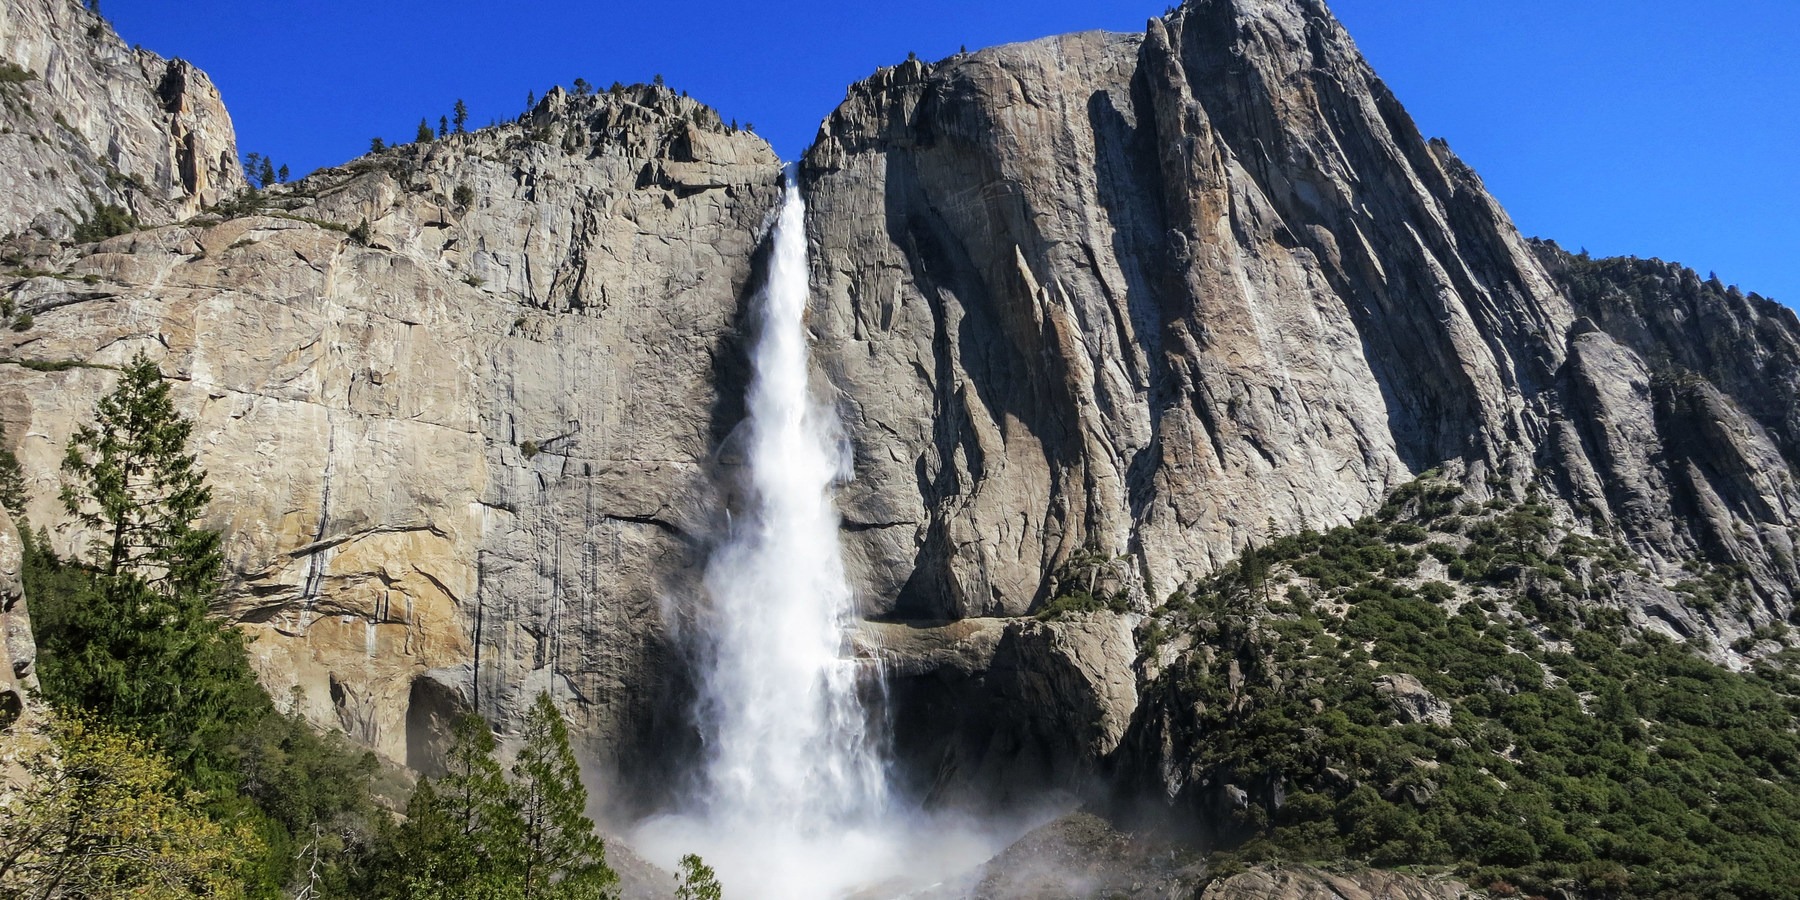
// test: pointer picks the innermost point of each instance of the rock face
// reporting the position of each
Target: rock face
(87, 121)
(1158, 295)
(1161, 294)
(1133, 298)
(464, 463)
(18, 650)
(992, 712)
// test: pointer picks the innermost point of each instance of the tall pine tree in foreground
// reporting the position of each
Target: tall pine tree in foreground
(140, 604)
(563, 858)
(124, 637)
(474, 833)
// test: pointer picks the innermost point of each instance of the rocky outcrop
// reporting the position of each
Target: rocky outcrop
(1080, 856)
(1014, 706)
(1412, 701)
(460, 464)
(1308, 883)
(18, 650)
(87, 121)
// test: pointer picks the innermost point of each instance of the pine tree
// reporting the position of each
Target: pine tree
(443, 126)
(12, 484)
(142, 606)
(252, 166)
(131, 478)
(461, 118)
(376, 145)
(266, 172)
(281, 174)
(424, 134)
(563, 858)
(698, 881)
(463, 836)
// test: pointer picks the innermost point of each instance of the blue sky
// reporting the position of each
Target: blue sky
(1651, 128)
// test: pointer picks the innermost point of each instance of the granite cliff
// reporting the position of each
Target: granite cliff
(1102, 308)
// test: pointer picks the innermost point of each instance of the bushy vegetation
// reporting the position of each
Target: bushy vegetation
(1581, 757)
(1087, 582)
(13, 73)
(106, 221)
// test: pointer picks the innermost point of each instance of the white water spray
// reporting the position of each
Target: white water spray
(791, 748)
(795, 800)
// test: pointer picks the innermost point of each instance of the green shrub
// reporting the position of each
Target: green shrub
(107, 221)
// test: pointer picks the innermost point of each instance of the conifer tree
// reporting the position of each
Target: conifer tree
(461, 118)
(698, 881)
(266, 172)
(563, 858)
(132, 480)
(281, 175)
(443, 126)
(144, 606)
(424, 134)
(462, 836)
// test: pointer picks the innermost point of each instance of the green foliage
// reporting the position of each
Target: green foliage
(562, 857)
(106, 221)
(424, 135)
(460, 116)
(361, 233)
(132, 480)
(474, 833)
(1611, 764)
(12, 484)
(105, 817)
(13, 73)
(1086, 582)
(462, 834)
(463, 196)
(698, 881)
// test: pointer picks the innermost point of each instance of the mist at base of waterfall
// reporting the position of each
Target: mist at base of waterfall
(911, 855)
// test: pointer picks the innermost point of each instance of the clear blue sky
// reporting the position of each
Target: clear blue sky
(1648, 127)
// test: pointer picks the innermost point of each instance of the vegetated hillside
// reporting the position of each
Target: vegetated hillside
(1456, 683)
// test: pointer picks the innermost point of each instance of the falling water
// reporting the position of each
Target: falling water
(792, 749)
(795, 799)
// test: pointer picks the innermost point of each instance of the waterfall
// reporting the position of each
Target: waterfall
(790, 747)
(794, 799)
